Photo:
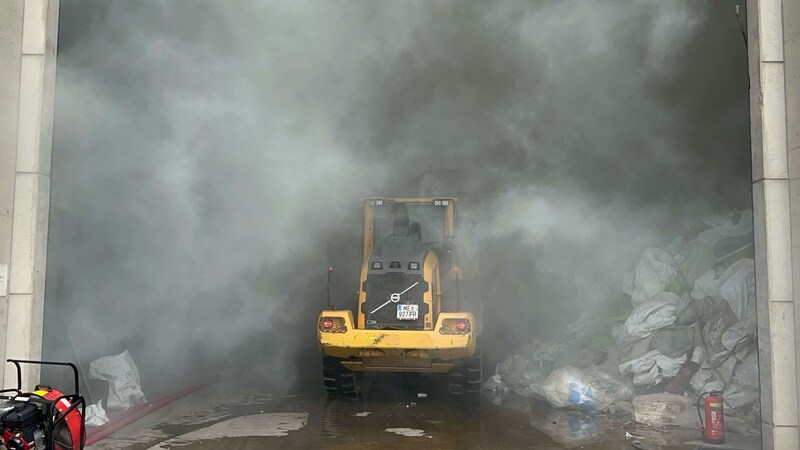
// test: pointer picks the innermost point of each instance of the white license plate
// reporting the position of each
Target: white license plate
(407, 312)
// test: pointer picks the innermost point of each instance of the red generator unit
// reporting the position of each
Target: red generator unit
(44, 419)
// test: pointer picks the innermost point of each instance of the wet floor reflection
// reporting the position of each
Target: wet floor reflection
(390, 413)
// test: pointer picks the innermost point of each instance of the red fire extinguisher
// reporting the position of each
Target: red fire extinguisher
(713, 427)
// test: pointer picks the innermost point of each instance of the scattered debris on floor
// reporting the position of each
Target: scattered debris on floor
(408, 432)
(96, 415)
(680, 323)
(362, 414)
(122, 375)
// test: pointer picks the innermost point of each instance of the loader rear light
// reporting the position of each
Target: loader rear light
(332, 325)
(455, 326)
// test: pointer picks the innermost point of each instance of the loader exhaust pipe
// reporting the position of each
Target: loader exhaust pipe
(328, 291)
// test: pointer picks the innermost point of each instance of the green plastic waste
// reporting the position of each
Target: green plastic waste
(700, 259)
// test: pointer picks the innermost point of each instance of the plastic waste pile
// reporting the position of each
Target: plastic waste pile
(684, 324)
(122, 375)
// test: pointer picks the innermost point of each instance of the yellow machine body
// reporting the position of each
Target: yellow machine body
(437, 338)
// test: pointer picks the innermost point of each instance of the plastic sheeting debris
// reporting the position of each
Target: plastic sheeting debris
(655, 269)
(736, 223)
(743, 389)
(699, 260)
(658, 312)
(651, 368)
(673, 342)
(737, 285)
(739, 337)
(96, 415)
(122, 375)
(495, 383)
(589, 389)
(706, 286)
(694, 298)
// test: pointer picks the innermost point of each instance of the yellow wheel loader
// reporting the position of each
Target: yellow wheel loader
(408, 317)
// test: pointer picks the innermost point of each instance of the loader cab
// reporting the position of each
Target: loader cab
(408, 245)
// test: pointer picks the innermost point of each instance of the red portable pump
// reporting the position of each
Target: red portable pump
(44, 419)
(713, 427)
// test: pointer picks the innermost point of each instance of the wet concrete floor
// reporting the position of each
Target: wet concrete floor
(389, 414)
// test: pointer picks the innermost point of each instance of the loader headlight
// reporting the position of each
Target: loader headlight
(332, 325)
(455, 326)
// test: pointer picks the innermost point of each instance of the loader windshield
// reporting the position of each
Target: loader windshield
(430, 219)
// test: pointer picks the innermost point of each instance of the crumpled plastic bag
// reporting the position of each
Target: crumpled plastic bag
(706, 286)
(655, 269)
(658, 312)
(651, 368)
(589, 389)
(737, 396)
(737, 285)
(674, 342)
(736, 223)
(739, 336)
(96, 415)
(697, 262)
(705, 381)
(495, 383)
(746, 371)
(743, 388)
(122, 375)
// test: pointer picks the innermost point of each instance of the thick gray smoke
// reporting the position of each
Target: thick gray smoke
(209, 157)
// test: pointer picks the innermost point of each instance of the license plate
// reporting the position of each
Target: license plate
(407, 312)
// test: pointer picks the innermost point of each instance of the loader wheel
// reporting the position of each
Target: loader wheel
(466, 378)
(338, 379)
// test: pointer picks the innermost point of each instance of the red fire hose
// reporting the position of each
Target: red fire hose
(137, 412)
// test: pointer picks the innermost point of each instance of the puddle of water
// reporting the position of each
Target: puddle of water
(362, 414)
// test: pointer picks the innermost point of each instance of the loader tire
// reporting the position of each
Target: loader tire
(338, 379)
(466, 378)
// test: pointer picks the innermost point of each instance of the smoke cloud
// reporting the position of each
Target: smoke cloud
(208, 160)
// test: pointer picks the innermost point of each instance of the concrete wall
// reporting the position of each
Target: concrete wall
(791, 52)
(28, 35)
(773, 65)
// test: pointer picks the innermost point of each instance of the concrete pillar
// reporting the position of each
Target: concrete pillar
(777, 235)
(28, 35)
(791, 54)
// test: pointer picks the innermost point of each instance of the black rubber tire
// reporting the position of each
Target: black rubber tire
(338, 379)
(466, 378)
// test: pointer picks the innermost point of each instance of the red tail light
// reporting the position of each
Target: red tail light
(332, 325)
(455, 326)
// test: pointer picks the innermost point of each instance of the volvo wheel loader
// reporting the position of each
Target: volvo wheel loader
(408, 317)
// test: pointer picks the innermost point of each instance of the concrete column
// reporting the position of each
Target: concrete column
(774, 233)
(28, 35)
(791, 54)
